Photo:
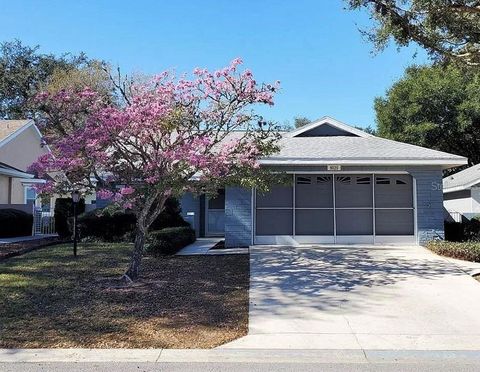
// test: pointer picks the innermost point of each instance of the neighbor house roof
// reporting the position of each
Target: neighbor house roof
(8, 170)
(9, 129)
(333, 142)
(462, 180)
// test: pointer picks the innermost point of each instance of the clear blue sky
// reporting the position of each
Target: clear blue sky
(313, 47)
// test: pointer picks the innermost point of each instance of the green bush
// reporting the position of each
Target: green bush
(468, 251)
(468, 230)
(108, 224)
(454, 231)
(169, 240)
(14, 222)
(472, 229)
(63, 213)
(170, 216)
(113, 223)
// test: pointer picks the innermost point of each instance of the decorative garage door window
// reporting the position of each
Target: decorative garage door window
(338, 205)
(394, 205)
(354, 204)
(314, 205)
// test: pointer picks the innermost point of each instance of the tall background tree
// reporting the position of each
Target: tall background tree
(448, 29)
(436, 107)
(300, 121)
(24, 72)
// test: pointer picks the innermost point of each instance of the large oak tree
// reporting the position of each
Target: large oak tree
(436, 107)
(448, 29)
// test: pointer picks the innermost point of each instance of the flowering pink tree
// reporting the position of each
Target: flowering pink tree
(169, 136)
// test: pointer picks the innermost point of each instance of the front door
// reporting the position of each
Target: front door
(215, 215)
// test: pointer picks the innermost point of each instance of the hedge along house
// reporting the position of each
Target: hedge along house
(348, 187)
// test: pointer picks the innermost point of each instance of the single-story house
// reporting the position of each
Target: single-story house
(348, 187)
(461, 193)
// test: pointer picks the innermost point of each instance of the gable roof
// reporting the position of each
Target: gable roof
(331, 122)
(9, 129)
(356, 148)
(462, 180)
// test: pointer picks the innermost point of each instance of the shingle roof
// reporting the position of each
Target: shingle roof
(361, 148)
(8, 127)
(352, 149)
(462, 180)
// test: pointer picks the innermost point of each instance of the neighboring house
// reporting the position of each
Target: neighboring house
(347, 187)
(461, 193)
(20, 145)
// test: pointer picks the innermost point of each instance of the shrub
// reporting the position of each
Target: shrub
(472, 229)
(468, 230)
(170, 216)
(113, 223)
(109, 224)
(169, 240)
(63, 213)
(454, 231)
(14, 222)
(469, 251)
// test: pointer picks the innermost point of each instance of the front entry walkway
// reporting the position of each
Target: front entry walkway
(401, 298)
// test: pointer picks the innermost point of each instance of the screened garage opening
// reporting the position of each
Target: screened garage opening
(337, 208)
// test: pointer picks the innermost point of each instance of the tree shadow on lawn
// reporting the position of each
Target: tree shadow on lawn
(337, 279)
(49, 299)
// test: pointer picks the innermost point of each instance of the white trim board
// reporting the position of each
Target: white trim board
(288, 161)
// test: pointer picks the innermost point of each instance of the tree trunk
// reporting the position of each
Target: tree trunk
(134, 267)
(144, 219)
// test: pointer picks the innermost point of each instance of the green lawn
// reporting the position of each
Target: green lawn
(50, 299)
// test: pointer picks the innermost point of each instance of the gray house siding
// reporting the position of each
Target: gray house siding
(429, 196)
(191, 204)
(238, 217)
(430, 216)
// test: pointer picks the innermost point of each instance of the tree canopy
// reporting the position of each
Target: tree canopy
(300, 121)
(436, 107)
(24, 71)
(448, 29)
(169, 136)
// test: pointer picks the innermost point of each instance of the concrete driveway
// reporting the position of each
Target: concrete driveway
(402, 298)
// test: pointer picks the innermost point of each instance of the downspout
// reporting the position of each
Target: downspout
(10, 188)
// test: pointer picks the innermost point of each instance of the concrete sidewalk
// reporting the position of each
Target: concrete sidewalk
(233, 356)
(203, 246)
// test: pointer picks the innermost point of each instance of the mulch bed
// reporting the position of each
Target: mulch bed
(8, 250)
(48, 299)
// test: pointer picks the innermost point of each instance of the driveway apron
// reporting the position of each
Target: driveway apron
(357, 297)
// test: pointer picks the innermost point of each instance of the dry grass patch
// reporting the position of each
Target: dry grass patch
(49, 299)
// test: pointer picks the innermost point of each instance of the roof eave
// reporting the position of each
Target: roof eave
(445, 163)
(460, 187)
(15, 173)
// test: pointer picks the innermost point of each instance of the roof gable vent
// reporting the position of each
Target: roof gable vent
(327, 127)
(326, 130)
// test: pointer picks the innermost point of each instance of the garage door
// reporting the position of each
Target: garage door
(337, 208)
